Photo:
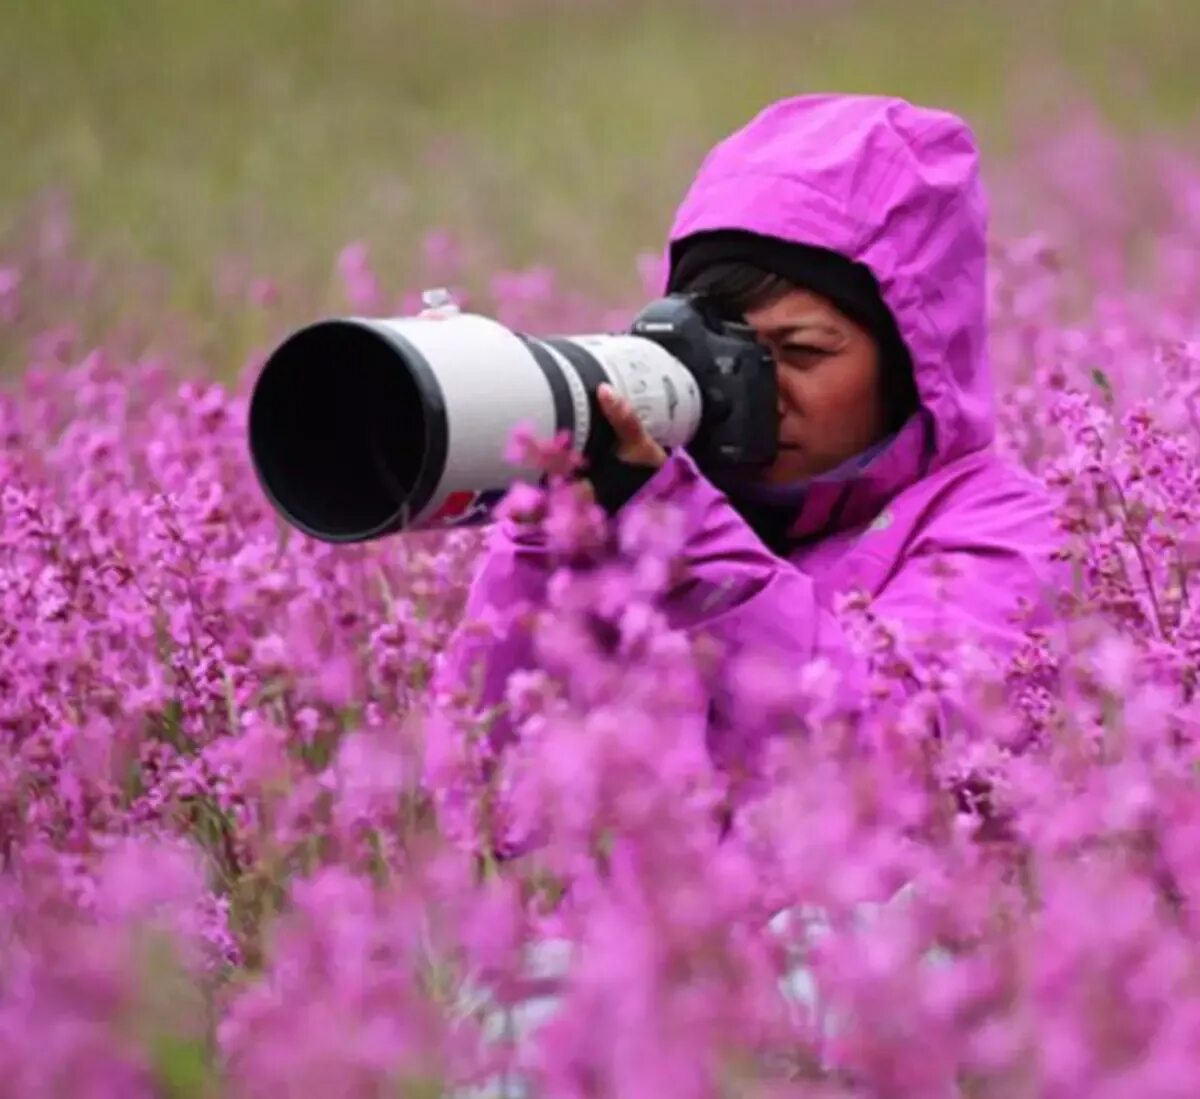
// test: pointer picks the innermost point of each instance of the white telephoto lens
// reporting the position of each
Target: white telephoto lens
(361, 427)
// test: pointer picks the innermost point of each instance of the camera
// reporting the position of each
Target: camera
(364, 427)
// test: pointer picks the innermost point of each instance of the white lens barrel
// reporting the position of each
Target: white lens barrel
(663, 392)
(489, 383)
(362, 426)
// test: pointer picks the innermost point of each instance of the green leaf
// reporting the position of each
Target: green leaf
(181, 1067)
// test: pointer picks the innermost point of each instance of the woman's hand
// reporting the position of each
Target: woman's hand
(634, 443)
(636, 452)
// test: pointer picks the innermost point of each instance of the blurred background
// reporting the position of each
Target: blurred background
(199, 142)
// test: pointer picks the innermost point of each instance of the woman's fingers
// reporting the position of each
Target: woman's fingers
(634, 443)
(619, 412)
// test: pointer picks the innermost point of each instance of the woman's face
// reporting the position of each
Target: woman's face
(828, 370)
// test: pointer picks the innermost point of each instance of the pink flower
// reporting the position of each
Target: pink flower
(358, 280)
(10, 301)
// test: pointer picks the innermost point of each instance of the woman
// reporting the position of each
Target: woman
(849, 231)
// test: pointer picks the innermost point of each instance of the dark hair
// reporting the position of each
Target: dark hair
(734, 288)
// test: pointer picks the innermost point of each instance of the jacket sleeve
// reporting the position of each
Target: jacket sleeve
(979, 568)
(492, 642)
(964, 573)
(734, 589)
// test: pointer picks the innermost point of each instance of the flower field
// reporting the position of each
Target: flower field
(250, 840)
(254, 842)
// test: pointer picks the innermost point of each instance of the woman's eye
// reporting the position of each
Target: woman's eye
(802, 352)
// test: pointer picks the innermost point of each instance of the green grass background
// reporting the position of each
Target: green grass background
(185, 131)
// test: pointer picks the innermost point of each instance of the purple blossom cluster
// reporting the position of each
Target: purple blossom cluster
(252, 844)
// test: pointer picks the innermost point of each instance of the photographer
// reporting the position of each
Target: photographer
(849, 233)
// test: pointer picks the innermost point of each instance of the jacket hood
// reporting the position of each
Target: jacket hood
(895, 187)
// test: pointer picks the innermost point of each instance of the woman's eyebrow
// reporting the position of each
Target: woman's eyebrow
(783, 330)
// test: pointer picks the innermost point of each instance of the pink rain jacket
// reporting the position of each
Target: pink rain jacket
(897, 188)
